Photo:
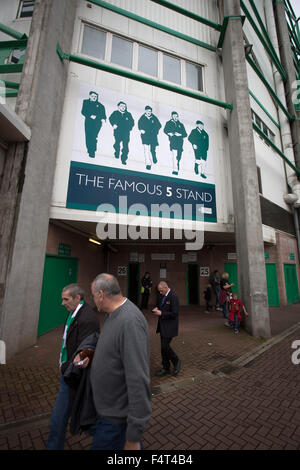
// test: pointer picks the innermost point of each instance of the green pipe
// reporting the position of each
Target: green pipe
(140, 78)
(8, 93)
(294, 37)
(190, 14)
(152, 24)
(11, 68)
(268, 86)
(264, 109)
(18, 44)
(224, 28)
(274, 58)
(7, 84)
(265, 32)
(277, 150)
(12, 32)
(287, 4)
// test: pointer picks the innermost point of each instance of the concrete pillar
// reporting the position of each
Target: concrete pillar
(248, 224)
(26, 185)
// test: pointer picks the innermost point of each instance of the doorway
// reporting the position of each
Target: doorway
(291, 283)
(59, 271)
(272, 285)
(231, 269)
(133, 285)
(193, 284)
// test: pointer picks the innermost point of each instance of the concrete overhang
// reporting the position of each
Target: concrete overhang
(12, 128)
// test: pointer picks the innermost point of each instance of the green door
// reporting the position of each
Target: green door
(291, 283)
(133, 283)
(59, 271)
(272, 285)
(192, 273)
(231, 269)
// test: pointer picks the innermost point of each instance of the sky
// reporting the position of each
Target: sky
(296, 7)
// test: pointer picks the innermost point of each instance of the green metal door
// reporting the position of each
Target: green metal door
(291, 283)
(59, 271)
(231, 269)
(272, 285)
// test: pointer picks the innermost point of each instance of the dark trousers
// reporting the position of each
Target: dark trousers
(110, 435)
(145, 298)
(125, 148)
(167, 353)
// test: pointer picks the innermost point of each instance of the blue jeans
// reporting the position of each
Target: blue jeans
(217, 296)
(235, 323)
(109, 435)
(225, 309)
(59, 418)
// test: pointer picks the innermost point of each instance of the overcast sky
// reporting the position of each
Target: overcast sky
(296, 7)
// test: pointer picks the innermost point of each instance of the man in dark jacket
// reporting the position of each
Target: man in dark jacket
(167, 326)
(95, 116)
(176, 132)
(81, 322)
(200, 142)
(122, 123)
(149, 126)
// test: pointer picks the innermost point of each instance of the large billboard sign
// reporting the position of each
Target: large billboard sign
(129, 151)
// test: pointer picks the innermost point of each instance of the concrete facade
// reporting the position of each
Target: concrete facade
(28, 185)
(35, 175)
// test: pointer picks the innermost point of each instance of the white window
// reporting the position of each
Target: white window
(147, 61)
(25, 9)
(171, 69)
(121, 52)
(107, 46)
(93, 42)
(194, 78)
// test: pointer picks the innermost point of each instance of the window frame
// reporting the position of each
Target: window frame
(135, 56)
(20, 8)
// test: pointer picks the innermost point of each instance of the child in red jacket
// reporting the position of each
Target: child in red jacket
(235, 317)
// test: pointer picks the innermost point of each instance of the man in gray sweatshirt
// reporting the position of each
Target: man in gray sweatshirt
(120, 375)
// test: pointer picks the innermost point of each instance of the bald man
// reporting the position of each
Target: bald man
(167, 326)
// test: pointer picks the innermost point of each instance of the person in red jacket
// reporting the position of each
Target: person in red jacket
(235, 317)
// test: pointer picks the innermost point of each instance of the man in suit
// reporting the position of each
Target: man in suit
(176, 132)
(200, 142)
(95, 116)
(122, 123)
(167, 326)
(149, 127)
(81, 322)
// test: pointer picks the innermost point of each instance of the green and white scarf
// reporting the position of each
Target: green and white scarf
(63, 352)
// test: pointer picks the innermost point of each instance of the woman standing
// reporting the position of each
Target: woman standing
(146, 290)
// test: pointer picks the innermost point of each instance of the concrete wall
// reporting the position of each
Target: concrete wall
(39, 104)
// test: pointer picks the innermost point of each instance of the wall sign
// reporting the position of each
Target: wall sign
(150, 153)
(122, 270)
(64, 249)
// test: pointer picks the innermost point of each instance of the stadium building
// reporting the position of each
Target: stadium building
(147, 135)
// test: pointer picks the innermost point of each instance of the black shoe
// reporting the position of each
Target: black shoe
(162, 372)
(177, 367)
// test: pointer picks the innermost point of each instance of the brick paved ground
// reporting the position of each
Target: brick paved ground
(251, 407)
